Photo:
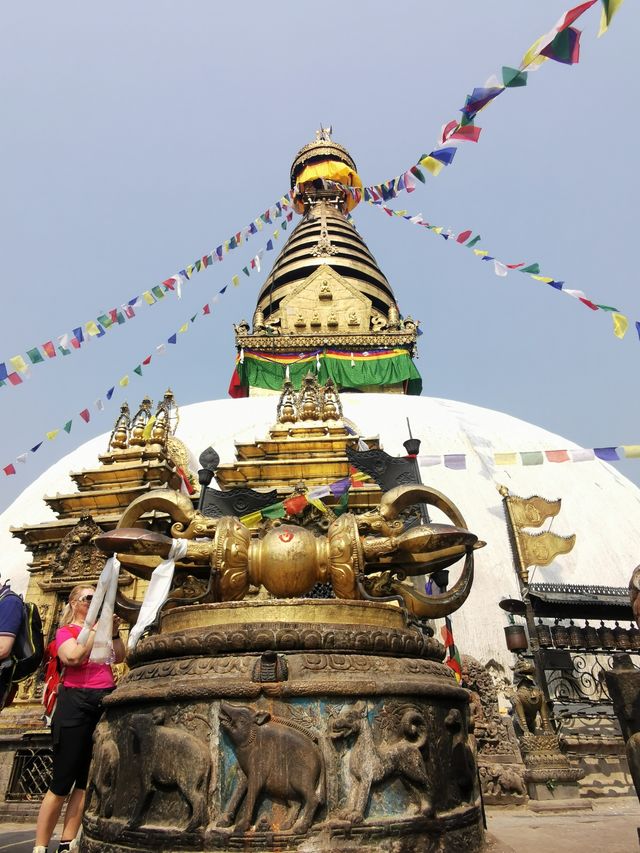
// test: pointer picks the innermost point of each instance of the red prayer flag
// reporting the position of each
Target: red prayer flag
(49, 349)
(9, 470)
(514, 266)
(147, 360)
(169, 283)
(463, 236)
(295, 505)
(185, 480)
(588, 303)
(236, 388)
(14, 379)
(469, 133)
(448, 129)
(75, 343)
(557, 455)
(84, 414)
(206, 309)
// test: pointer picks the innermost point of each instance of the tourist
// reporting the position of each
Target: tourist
(84, 685)
(10, 622)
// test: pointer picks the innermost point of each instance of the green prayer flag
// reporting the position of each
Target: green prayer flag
(343, 503)
(512, 77)
(534, 457)
(534, 269)
(34, 355)
(418, 174)
(105, 321)
(67, 426)
(138, 370)
(158, 292)
(274, 511)
(603, 307)
(473, 242)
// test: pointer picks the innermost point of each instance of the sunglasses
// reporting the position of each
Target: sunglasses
(86, 598)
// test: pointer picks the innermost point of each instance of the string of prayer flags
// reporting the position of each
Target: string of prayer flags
(118, 316)
(501, 269)
(561, 44)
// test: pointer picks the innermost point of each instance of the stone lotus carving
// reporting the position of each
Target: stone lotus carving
(288, 560)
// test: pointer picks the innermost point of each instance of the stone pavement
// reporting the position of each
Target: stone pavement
(611, 827)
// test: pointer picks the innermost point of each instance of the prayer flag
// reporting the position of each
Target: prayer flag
(3, 371)
(532, 268)
(580, 454)
(34, 355)
(92, 328)
(148, 298)
(445, 155)
(49, 349)
(235, 280)
(52, 434)
(109, 393)
(468, 133)
(432, 165)
(158, 292)
(429, 460)
(274, 511)
(631, 451)
(409, 183)
(608, 454)
(36, 447)
(206, 309)
(124, 382)
(455, 461)
(147, 360)
(512, 77)
(463, 236)
(473, 242)
(172, 339)
(479, 99)
(620, 325)
(161, 349)
(252, 519)
(505, 458)
(533, 457)
(418, 174)
(183, 328)
(99, 404)
(67, 427)
(500, 269)
(19, 363)
(14, 379)
(295, 504)
(638, 328)
(557, 455)
(9, 470)
(138, 370)
(609, 8)
(84, 414)
(564, 47)
(22, 458)
(78, 335)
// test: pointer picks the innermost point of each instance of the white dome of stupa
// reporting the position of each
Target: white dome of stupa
(599, 505)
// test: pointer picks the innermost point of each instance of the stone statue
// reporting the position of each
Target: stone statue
(261, 743)
(241, 328)
(527, 699)
(378, 323)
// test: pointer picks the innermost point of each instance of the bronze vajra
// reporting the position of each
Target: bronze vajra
(362, 556)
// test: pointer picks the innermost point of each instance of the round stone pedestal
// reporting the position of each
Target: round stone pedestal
(299, 725)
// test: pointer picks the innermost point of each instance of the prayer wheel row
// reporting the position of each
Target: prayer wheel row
(574, 636)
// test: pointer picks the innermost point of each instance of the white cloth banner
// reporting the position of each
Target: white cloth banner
(157, 591)
(105, 598)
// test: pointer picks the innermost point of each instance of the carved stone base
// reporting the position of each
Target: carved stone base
(549, 775)
(334, 738)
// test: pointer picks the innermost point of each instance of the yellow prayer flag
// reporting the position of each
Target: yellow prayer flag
(432, 165)
(235, 280)
(620, 325)
(532, 59)
(631, 451)
(19, 363)
(480, 252)
(317, 503)
(505, 458)
(258, 223)
(51, 435)
(252, 519)
(183, 328)
(146, 432)
(124, 382)
(544, 278)
(190, 270)
(608, 11)
(401, 212)
(91, 328)
(148, 297)
(437, 230)
(276, 234)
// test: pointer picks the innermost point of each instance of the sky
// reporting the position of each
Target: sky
(136, 137)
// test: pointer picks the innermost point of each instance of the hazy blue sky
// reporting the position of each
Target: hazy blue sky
(138, 136)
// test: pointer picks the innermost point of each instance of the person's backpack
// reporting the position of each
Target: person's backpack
(28, 648)
(53, 672)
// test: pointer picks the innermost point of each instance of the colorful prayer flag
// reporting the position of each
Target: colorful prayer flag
(620, 325)
(34, 355)
(52, 434)
(505, 458)
(608, 454)
(84, 414)
(557, 455)
(9, 470)
(19, 363)
(609, 9)
(532, 457)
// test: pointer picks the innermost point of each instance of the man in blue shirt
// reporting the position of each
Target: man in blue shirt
(10, 622)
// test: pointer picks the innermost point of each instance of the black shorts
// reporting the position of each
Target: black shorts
(74, 721)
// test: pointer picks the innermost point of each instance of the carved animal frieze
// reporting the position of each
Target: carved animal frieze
(276, 759)
(104, 771)
(169, 758)
(394, 751)
(500, 780)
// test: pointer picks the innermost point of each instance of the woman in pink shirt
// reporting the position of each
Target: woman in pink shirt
(79, 707)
